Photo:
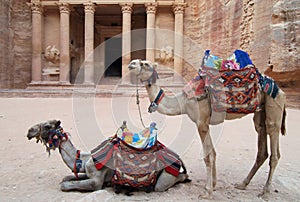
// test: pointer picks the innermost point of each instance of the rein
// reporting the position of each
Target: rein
(138, 102)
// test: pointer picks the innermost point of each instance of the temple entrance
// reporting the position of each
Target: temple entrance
(113, 57)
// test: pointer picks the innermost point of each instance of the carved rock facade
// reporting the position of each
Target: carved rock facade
(269, 30)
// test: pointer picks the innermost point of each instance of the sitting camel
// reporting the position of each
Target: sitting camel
(52, 135)
(269, 120)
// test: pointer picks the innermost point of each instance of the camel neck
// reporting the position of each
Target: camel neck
(152, 91)
(170, 104)
(68, 153)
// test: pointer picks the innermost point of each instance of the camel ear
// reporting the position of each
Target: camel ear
(57, 123)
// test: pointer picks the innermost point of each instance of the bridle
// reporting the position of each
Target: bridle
(152, 79)
(54, 139)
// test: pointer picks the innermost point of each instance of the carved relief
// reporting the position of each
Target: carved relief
(126, 7)
(165, 54)
(151, 8)
(89, 7)
(64, 7)
(36, 7)
(178, 8)
(52, 54)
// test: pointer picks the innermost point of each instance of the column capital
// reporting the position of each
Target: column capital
(64, 7)
(89, 7)
(178, 8)
(126, 7)
(151, 8)
(36, 7)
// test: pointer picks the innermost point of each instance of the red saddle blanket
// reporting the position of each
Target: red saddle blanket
(233, 91)
(135, 167)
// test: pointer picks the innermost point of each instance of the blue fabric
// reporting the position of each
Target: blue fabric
(242, 58)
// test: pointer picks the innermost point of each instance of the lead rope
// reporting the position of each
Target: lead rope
(138, 101)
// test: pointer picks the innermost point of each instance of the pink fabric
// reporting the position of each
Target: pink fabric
(194, 88)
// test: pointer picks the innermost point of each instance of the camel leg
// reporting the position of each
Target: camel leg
(73, 177)
(166, 180)
(81, 185)
(209, 159)
(274, 111)
(262, 150)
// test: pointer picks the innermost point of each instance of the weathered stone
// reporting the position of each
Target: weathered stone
(269, 30)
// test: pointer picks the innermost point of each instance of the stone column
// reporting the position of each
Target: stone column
(126, 40)
(36, 69)
(64, 76)
(178, 9)
(150, 39)
(89, 9)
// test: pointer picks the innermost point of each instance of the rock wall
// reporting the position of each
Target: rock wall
(285, 30)
(4, 45)
(20, 53)
(268, 30)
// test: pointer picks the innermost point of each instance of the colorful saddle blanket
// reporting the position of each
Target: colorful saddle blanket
(232, 82)
(140, 140)
(135, 167)
(233, 91)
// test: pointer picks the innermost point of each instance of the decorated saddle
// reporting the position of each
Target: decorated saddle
(233, 91)
(136, 167)
(232, 84)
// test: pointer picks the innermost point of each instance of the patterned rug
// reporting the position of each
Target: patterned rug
(233, 91)
(136, 167)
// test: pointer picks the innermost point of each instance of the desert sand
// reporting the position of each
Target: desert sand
(29, 174)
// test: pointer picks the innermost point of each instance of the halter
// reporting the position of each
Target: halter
(55, 138)
(152, 79)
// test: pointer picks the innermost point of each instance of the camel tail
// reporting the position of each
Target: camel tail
(283, 130)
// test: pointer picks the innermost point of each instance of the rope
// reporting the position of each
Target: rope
(138, 101)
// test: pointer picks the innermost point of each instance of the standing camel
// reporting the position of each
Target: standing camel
(270, 120)
(90, 179)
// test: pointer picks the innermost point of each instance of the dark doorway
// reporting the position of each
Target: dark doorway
(113, 57)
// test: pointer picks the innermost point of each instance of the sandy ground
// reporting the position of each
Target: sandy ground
(28, 174)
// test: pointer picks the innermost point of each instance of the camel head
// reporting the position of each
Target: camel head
(144, 70)
(49, 133)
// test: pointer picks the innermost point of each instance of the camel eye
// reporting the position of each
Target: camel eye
(47, 127)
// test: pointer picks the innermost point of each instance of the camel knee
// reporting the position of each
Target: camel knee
(272, 127)
(260, 159)
(210, 158)
(274, 161)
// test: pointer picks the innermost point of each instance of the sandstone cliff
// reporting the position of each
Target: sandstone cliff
(269, 30)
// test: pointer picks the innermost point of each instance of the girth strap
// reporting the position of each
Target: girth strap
(77, 164)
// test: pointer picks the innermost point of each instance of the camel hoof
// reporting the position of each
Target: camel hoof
(265, 191)
(187, 181)
(63, 187)
(241, 186)
(206, 196)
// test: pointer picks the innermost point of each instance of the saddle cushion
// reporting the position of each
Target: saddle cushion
(141, 140)
(233, 91)
(136, 167)
(103, 153)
